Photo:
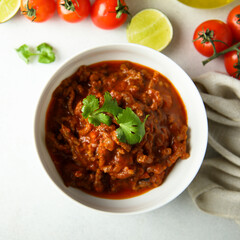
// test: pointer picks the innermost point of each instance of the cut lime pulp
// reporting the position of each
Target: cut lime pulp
(8, 8)
(150, 28)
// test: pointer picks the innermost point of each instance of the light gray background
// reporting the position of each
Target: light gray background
(31, 207)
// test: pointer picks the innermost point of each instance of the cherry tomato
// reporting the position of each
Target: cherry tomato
(232, 64)
(73, 10)
(233, 21)
(38, 10)
(109, 14)
(212, 30)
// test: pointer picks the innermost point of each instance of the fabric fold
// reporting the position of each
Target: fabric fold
(216, 188)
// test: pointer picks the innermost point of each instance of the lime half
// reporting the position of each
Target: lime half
(8, 8)
(150, 28)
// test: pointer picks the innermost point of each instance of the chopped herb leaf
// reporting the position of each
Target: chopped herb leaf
(110, 105)
(97, 119)
(24, 53)
(131, 130)
(90, 104)
(45, 53)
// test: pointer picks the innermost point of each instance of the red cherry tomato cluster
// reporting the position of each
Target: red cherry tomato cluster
(105, 14)
(214, 38)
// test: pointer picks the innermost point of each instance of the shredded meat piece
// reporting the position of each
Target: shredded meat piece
(91, 157)
(98, 185)
(144, 159)
(125, 173)
(108, 143)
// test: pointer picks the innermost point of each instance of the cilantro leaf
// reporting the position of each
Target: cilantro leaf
(110, 105)
(90, 104)
(46, 54)
(97, 119)
(131, 129)
(24, 52)
(95, 114)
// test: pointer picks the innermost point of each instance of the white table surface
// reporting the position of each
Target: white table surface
(31, 207)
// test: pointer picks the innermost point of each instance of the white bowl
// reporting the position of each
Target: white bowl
(183, 172)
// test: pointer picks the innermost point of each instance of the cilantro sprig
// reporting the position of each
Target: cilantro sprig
(96, 115)
(44, 52)
(90, 104)
(131, 130)
(110, 105)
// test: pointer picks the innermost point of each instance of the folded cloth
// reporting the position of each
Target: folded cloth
(216, 188)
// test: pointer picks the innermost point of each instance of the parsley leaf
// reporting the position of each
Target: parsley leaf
(131, 130)
(110, 105)
(45, 53)
(24, 52)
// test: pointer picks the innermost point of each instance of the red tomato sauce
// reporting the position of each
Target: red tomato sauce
(92, 158)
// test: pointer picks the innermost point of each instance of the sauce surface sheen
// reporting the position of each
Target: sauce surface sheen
(92, 158)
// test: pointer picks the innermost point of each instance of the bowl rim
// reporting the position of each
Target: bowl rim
(47, 85)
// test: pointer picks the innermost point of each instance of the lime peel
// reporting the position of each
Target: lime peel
(150, 28)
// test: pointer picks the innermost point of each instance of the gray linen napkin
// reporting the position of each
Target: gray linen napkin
(216, 188)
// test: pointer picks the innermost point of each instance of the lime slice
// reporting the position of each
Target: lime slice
(8, 8)
(150, 28)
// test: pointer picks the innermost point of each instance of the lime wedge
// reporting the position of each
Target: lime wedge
(150, 28)
(8, 8)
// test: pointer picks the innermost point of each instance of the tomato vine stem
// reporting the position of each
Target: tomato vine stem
(234, 47)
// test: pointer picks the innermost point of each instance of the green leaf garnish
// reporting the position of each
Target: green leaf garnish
(131, 130)
(45, 53)
(90, 104)
(97, 119)
(110, 105)
(24, 52)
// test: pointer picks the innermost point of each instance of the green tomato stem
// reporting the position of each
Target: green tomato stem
(215, 55)
(31, 12)
(120, 9)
